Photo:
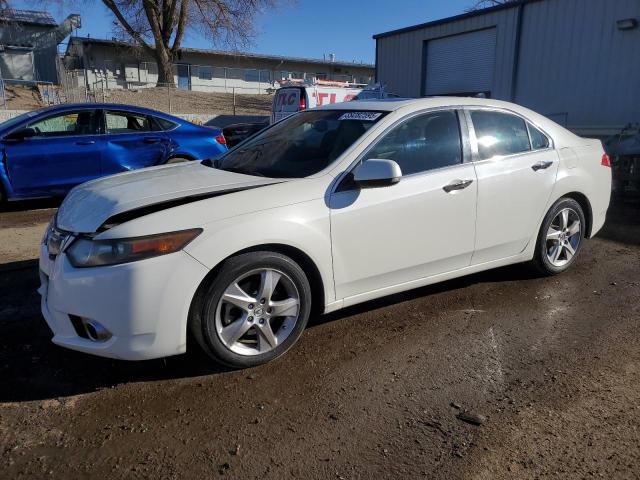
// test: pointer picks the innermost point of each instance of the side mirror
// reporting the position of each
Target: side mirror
(20, 135)
(377, 173)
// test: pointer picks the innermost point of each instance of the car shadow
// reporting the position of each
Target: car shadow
(623, 222)
(33, 368)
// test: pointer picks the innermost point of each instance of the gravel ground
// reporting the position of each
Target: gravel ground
(548, 367)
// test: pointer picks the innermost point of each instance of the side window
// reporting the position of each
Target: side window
(126, 122)
(82, 122)
(539, 140)
(425, 142)
(499, 133)
(164, 124)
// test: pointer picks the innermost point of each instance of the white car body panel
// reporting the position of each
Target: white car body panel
(401, 236)
(363, 244)
(88, 205)
(505, 217)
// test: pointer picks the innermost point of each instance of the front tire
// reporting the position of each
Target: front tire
(253, 311)
(560, 238)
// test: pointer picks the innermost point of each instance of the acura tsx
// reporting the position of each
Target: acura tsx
(325, 209)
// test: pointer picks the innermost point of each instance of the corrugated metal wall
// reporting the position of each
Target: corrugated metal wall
(574, 64)
(43, 41)
(401, 58)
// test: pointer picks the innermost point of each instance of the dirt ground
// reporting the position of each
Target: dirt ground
(551, 364)
(177, 101)
(163, 99)
(19, 97)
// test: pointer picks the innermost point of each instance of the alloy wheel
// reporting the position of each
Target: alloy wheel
(563, 237)
(257, 312)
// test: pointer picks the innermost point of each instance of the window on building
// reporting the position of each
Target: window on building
(82, 122)
(422, 143)
(126, 122)
(205, 72)
(539, 140)
(499, 133)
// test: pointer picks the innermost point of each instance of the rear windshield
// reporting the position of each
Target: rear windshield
(301, 145)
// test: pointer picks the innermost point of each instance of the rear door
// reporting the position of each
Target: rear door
(286, 102)
(516, 167)
(65, 151)
(132, 141)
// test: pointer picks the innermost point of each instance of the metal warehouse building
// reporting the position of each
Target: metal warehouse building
(29, 44)
(575, 61)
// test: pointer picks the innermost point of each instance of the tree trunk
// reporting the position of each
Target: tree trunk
(165, 67)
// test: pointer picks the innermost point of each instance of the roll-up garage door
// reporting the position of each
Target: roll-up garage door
(461, 64)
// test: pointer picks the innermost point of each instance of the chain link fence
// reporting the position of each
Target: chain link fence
(203, 90)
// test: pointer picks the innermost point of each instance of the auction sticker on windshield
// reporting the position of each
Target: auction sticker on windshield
(366, 116)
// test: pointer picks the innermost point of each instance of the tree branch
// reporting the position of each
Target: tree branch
(182, 22)
(125, 24)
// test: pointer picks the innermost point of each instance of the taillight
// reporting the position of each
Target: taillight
(605, 162)
(303, 103)
(221, 140)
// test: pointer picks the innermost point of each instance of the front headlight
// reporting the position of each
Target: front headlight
(85, 252)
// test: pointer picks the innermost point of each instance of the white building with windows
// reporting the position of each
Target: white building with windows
(112, 64)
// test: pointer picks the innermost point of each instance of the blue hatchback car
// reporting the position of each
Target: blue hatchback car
(47, 152)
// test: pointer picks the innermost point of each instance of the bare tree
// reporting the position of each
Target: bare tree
(158, 27)
(480, 4)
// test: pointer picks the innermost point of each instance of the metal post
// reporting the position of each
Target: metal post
(234, 100)
(225, 79)
(4, 95)
(169, 96)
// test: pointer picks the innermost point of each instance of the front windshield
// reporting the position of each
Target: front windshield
(16, 120)
(301, 145)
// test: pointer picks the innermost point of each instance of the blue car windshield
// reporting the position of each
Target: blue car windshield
(301, 145)
(16, 120)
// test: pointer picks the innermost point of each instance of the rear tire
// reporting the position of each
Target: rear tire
(560, 237)
(254, 309)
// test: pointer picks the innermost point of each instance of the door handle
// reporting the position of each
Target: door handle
(541, 166)
(152, 140)
(457, 185)
(86, 142)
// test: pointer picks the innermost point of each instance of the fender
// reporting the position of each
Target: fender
(308, 233)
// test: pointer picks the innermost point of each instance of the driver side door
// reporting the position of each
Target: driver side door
(422, 226)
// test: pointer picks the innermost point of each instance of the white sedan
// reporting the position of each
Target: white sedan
(325, 209)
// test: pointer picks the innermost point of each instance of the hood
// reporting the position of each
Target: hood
(88, 206)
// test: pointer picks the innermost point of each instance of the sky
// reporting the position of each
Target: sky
(302, 28)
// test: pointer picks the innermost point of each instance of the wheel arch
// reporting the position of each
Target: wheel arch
(301, 258)
(584, 202)
(187, 156)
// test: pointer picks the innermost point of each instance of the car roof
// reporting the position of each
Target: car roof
(392, 104)
(118, 106)
(408, 105)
